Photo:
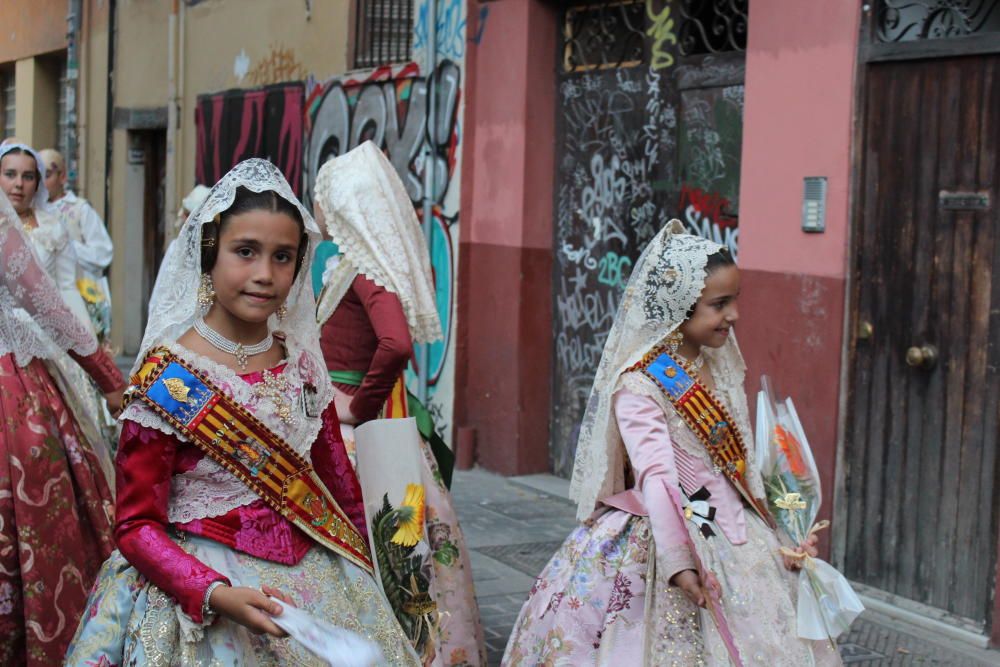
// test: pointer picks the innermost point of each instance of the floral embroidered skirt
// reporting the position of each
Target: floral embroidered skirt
(460, 641)
(599, 602)
(54, 517)
(129, 621)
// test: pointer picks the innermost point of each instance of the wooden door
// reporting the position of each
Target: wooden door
(921, 439)
(154, 219)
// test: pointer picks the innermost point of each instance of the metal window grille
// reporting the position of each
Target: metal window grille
(62, 120)
(9, 102)
(912, 20)
(712, 26)
(607, 35)
(383, 32)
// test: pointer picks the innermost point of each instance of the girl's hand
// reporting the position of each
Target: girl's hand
(808, 548)
(342, 402)
(691, 585)
(114, 399)
(249, 607)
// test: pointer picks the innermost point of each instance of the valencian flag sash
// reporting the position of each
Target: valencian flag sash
(707, 418)
(232, 437)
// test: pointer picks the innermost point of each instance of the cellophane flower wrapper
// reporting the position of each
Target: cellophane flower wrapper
(826, 603)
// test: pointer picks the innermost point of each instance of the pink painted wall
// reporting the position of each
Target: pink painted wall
(797, 122)
(503, 347)
(513, 111)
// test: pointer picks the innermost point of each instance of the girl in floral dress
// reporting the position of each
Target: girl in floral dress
(676, 561)
(54, 502)
(233, 482)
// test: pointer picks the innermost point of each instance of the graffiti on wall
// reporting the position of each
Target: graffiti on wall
(608, 206)
(389, 106)
(661, 32)
(280, 64)
(711, 136)
(450, 29)
(708, 214)
(238, 124)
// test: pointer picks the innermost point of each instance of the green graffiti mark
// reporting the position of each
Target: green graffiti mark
(662, 32)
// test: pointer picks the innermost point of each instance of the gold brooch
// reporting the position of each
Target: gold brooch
(177, 389)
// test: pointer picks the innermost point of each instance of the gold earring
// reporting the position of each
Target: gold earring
(282, 312)
(206, 293)
(674, 341)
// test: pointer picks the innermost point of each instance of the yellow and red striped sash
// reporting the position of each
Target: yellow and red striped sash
(707, 418)
(235, 439)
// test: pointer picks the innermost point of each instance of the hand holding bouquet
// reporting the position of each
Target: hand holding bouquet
(827, 604)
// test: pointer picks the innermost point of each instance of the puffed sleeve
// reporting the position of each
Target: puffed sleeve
(644, 430)
(332, 465)
(144, 465)
(395, 347)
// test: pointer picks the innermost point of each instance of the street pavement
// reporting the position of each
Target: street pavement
(513, 525)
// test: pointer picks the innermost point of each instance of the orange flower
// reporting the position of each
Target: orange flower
(792, 450)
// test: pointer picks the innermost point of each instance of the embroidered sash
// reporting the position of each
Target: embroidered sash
(707, 418)
(235, 439)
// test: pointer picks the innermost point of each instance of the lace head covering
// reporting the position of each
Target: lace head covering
(371, 219)
(41, 199)
(34, 319)
(173, 306)
(665, 283)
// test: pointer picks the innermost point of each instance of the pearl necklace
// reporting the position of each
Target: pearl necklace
(239, 350)
(694, 366)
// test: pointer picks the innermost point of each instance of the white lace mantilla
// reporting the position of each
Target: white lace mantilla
(666, 282)
(208, 489)
(371, 219)
(35, 321)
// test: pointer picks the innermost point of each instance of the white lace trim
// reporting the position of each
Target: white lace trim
(208, 489)
(35, 321)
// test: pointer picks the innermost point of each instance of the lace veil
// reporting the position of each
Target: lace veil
(370, 218)
(173, 306)
(666, 281)
(41, 199)
(34, 319)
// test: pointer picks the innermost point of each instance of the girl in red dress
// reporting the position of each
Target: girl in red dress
(377, 300)
(202, 543)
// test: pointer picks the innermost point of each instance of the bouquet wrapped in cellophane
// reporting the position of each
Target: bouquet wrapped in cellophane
(827, 603)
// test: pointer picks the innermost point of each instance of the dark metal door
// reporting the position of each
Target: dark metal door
(648, 127)
(921, 439)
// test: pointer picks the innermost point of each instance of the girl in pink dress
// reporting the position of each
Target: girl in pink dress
(676, 562)
(55, 506)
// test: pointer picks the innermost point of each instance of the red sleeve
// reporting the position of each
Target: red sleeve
(144, 465)
(332, 465)
(385, 313)
(102, 368)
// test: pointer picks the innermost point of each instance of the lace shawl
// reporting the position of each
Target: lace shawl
(371, 219)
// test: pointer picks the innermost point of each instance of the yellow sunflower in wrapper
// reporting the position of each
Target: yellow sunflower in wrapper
(89, 290)
(411, 517)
